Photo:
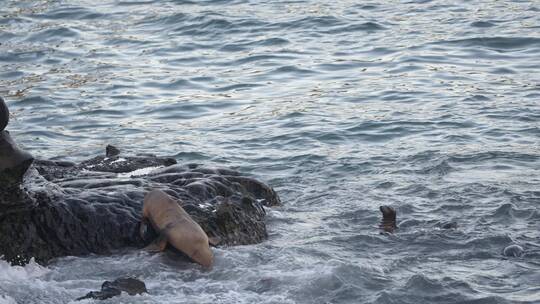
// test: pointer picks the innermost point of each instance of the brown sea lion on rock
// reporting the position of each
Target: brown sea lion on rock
(175, 227)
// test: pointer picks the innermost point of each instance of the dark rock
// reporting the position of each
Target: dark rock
(111, 289)
(448, 225)
(13, 161)
(76, 211)
(63, 208)
(4, 115)
(111, 151)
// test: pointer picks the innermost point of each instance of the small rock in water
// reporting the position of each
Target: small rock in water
(513, 251)
(111, 289)
(111, 151)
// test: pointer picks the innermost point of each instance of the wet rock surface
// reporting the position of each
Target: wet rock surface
(115, 288)
(63, 208)
(4, 114)
(447, 225)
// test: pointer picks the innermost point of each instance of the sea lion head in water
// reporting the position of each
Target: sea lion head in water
(13, 161)
(388, 222)
(175, 227)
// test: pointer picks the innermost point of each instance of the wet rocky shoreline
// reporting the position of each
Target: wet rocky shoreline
(52, 208)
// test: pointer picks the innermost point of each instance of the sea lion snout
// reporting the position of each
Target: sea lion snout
(388, 222)
(203, 256)
(389, 213)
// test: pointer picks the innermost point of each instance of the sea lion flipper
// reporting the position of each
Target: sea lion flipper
(214, 241)
(158, 244)
(146, 231)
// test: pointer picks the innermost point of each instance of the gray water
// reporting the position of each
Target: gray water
(432, 107)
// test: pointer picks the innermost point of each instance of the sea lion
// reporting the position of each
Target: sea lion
(175, 227)
(388, 222)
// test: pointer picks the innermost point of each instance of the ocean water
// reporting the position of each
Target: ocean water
(432, 107)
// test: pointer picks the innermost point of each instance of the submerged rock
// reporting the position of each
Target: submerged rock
(513, 250)
(51, 209)
(109, 289)
(447, 225)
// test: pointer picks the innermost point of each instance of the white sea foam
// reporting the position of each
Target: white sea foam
(119, 160)
(21, 273)
(14, 278)
(139, 172)
(4, 299)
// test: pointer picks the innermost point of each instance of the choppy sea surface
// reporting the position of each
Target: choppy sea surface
(432, 107)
